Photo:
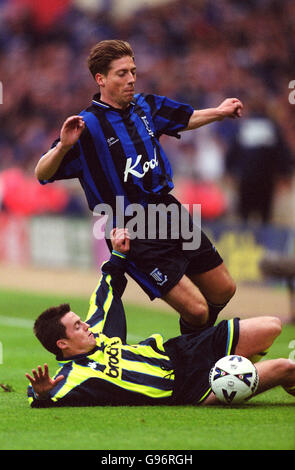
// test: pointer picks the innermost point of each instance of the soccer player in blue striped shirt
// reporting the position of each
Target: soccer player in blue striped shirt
(113, 148)
(97, 367)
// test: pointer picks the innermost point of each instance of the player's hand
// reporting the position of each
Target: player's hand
(71, 131)
(231, 107)
(41, 382)
(120, 240)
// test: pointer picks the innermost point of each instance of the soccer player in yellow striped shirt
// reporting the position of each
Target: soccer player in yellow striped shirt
(97, 367)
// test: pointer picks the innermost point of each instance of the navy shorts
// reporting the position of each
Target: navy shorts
(194, 355)
(158, 264)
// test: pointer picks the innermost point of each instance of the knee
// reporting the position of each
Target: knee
(198, 314)
(271, 329)
(274, 326)
(231, 288)
(277, 325)
(227, 292)
(201, 312)
(258, 334)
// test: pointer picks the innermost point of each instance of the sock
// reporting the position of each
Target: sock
(186, 328)
(213, 311)
(290, 390)
(257, 357)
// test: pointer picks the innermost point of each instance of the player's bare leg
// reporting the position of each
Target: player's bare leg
(188, 301)
(257, 334)
(274, 372)
(201, 297)
(216, 285)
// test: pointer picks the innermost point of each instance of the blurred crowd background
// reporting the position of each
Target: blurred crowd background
(195, 51)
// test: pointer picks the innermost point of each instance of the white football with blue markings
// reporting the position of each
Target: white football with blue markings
(233, 379)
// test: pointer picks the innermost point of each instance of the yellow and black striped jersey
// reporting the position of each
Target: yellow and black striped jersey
(113, 373)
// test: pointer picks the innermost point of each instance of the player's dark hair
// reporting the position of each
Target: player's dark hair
(104, 52)
(48, 327)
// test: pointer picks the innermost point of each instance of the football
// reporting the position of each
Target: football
(233, 379)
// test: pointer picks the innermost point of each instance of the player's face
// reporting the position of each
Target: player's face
(79, 339)
(117, 86)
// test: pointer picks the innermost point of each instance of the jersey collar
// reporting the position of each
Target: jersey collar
(98, 102)
(63, 360)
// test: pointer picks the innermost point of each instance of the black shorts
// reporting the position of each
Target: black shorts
(194, 355)
(158, 264)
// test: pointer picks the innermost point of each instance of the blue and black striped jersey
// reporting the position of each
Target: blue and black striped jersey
(119, 153)
(113, 373)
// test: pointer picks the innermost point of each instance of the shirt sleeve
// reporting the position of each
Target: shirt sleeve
(169, 116)
(71, 396)
(70, 166)
(106, 312)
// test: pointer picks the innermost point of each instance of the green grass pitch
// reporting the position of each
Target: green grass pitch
(267, 422)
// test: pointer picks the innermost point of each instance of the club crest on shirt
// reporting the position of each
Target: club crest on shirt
(159, 277)
(111, 141)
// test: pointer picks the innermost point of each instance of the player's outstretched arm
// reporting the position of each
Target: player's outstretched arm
(106, 312)
(229, 108)
(69, 135)
(41, 381)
